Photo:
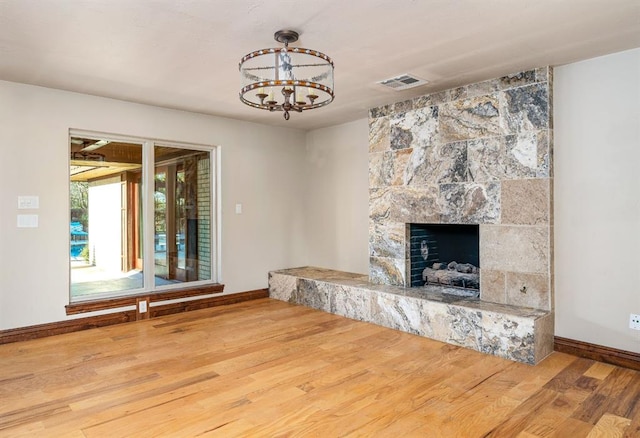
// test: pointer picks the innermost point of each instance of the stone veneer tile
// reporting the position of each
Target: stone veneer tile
(518, 79)
(486, 159)
(521, 155)
(311, 295)
(404, 204)
(398, 312)
(528, 290)
(383, 270)
(402, 107)
(401, 159)
(400, 137)
(387, 239)
(525, 201)
(416, 205)
(514, 248)
(544, 74)
(515, 156)
(470, 203)
(482, 88)
(351, 302)
(545, 154)
(544, 328)
(508, 336)
(437, 163)
(379, 134)
(550, 99)
(377, 171)
(388, 168)
(458, 93)
(525, 108)
(417, 128)
(455, 325)
(422, 102)
(282, 287)
(470, 118)
(380, 111)
(493, 286)
(379, 203)
(552, 280)
(433, 99)
(324, 274)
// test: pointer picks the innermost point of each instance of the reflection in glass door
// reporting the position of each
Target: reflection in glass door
(182, 215)
(160, 221)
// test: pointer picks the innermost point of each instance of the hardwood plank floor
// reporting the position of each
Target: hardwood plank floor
(265, 368)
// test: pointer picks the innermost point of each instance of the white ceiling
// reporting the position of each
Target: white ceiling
(184, 54)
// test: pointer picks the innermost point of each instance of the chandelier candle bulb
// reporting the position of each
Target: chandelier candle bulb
(300, 97)
(280, 70)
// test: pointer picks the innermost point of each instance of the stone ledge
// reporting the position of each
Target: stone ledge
(516, 333)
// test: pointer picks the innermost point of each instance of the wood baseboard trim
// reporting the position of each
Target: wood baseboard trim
(132, 300)
(60, 327)
(203, 303)
(74, 325)
(613, 356)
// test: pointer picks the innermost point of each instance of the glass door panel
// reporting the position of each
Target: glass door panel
(105, 240)
(182, 215)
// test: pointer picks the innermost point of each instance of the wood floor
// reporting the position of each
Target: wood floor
(265, 368)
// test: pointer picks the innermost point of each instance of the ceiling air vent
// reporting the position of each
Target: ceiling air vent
(403, 82)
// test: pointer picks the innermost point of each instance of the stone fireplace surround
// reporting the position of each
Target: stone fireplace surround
(479, 154)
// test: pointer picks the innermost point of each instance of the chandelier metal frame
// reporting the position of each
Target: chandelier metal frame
(319, 87)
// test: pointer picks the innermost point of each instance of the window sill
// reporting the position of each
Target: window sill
(132, 300)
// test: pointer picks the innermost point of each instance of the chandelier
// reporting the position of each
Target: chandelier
(286, 79)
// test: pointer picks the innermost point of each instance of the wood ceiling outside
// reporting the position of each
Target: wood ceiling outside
(110, 159)
(113, 158)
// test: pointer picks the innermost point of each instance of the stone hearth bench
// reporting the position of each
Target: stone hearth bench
(516, 333)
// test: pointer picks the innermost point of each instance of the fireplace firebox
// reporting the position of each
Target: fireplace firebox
(445, 255)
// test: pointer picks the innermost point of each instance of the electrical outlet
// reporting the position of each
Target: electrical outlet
(142, 304)
(634, 321)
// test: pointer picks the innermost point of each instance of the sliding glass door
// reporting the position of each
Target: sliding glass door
(107, 227)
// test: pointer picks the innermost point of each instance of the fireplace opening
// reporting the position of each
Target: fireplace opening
(445, 255)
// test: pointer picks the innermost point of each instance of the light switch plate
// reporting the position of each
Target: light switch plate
(27, 221)
(28, 202)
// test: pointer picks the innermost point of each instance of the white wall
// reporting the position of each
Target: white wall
(337, 200)
(262, 168)
(597, 199)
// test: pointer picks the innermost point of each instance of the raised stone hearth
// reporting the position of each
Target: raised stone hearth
(516, 333)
